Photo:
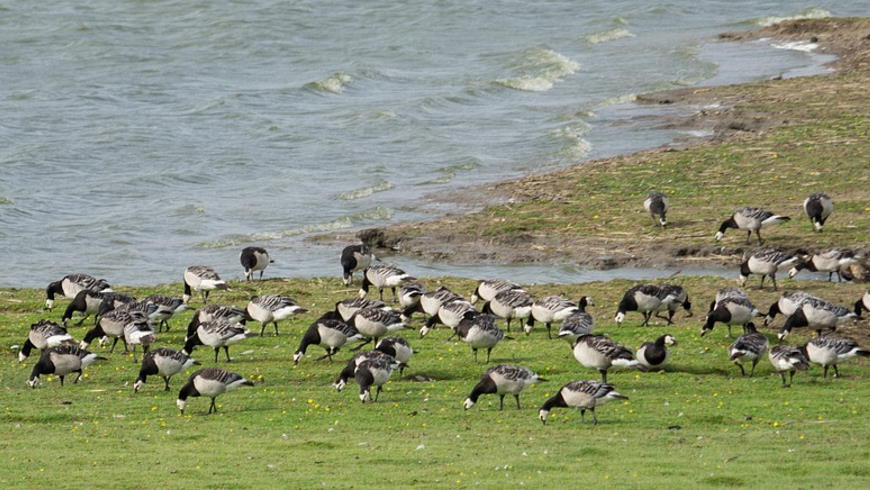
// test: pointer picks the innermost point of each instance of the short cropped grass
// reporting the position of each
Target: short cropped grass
(697, 424)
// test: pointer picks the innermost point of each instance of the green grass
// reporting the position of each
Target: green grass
(697, 425)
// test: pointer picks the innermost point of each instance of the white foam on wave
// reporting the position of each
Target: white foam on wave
(804, 46)
(810, 13)
(618, 99)
(540, 69)
(379, 186)
(333, 84)
(608, 35)
(575, 145)
(449, 172)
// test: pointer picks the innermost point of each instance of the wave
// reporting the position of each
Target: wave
(449, 172)
(804, 46)
(608, 35)
(618, 99)
(380, 186)
(378, 213)
(333, 84)
(539, 70)
(810, 13)
(575, 146)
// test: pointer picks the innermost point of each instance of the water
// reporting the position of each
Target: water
(141, 137)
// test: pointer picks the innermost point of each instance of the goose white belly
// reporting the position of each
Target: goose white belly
(284, 312)
(505, 385)
(209, 387)
(646, 302)
(65, 364)
(261, 261)
(403, 353)
(825, 357)
(430, 305)
(330, 337)
(260, 314)
(478, 338)
(380, 376)
(761, 267)
(53, 341)
(817, 317)
(112, 327)
(780, 364)
(825, 264)
(739, 314)
(452, 316)
(166, 366)
(590, 357)
(578, 399)
(370, 328)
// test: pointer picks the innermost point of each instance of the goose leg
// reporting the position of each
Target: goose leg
(261, 273)
(791, 376)
(773, 278)
(276, 328)
(582, 415)
(742, 371)
(836, 371)
(753, 367)
(517, 397)
(61, 380)
(227, 353)
(594, 417)
(758, 234)
(78, 377)
(216, 351)
(501, 402)
(474, 353)
(378, 392)
(112, 349)
(825, 372)
(549, 336)
(262, 328)
(603, 375)
(748, 236)
(488, 351)
(166, 383)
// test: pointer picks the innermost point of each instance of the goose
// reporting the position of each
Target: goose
(431, 301)
(168, 307)
(347, 307)
(726, 293)
(165, 362)
(554, 309)
(829, 351)
(787, 358)
(818, 315)
(272, 308)
(599, 352)
(330, 332)
(207, 313)
(201, 278)
(748, 347)
(656, 204)
(787, 304)
(673, 297)
(818, 207)
(585, 395)
(44, 334)
(210, 382)
(654, 355)
(480, 332)
(450, 313)
(114, 323)
(374, 323)
(70, 285)
(216, 334)
(577, 324)
(862, 304)
(254, 259)
(831, 262)
(355, 258)
(87, 302)
(487, 289)
(350, 368)
(397, 347)
(501, 380)
(62, 360)
(750, 219)
(730, 311)
(383, 276)
(643, 298)
(111, 300)
(373, 372)
(765, 262)
(138, 333)
(409, 294)
(510, 304)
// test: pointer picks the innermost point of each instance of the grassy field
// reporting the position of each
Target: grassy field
(698, 424)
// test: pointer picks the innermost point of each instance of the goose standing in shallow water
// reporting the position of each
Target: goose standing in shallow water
(70, 285)
(254, 259)
(654, 355)
(501, 380)
(383, 276)
(487, 289)
(211, 382)
(44, 334)
(765, 263)
(748, 347)
(554, 309)
(829, 351)
(355, 258)
(818, 315)
(750, 219)
(818, 207)
(831, 262)
(600, 352)
(643, 298)
(164, 362)
(585, 395)
(201, 278)
(787, 358)
(330, 332)
(656, 204)
(60, 361)
(272, 308)
(480, 332)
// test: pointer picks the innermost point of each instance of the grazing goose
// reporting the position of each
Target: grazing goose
(216, 334)
(138, 333)
(254, 259)
(765, 262)
(164, 362)
(673, 297)
(373, 372)
(450, 313)
(374, 323)
(480, 332)
(87, 302)
(210, 382)
(726, 293)
(829, 351)
(748, 347)
(510, 304)
(599, 352)
(787, 304)
(330, 332)
(750, 219)
(431, 301)
(397, 347)
(355, 258)
(383, 276)
(730, 311)
(818, 315)
(787, 358)
(501, 380)
(114, 323)
(643, 298)
(656, 204)
(201, 278)
(44, 334)
(350, 368)
(818, 207)
(207, 313)
(585, 395)
(112, 300)
(70, 285)
(272, 308)
(554, 309)
(167, 308)
(409, 294)
(62, 360)
(577, 324)
(487, 289)
(831, 262)
(862, 304)
(347, 307)
(654, 355)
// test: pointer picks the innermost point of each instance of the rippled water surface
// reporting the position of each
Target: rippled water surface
(141, 137)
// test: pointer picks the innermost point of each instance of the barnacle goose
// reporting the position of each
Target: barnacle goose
(479, 331)
(765, 262)
(501, 380)
(818, 207)
(600, 352)
(211, 382)
(554, 309)
(748, 347)
(585, 395)
(643, 298)
(115, 323)
(431, 301)
(862, 304)
(383, 276)
(577, 324)
(207, 313)
(510, 304)
(347, 307)
(450, 313)
(673, 297)
(818, 315)
(409, 294)
(656, 204)
(216, 334)
(397, 347)
(44, 334)
(654, 355)
(164, 362)
(726, 293)
(62, 360)
(374, 323)
(787, 304)
(730, 311)
(488, 288)
(87, 302)
(373, 372)
(254, 259)
(168, 307)
(829, 351)
(349, 369)
(272, 308)
(750, 219)
(201, 278)
(330, 332)
(70, 285)
(787, 358)
(355, 258)
(831, 262)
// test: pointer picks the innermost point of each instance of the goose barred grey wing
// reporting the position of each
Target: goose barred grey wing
(217, 374)
(608, 347)
(510, 372)
(203, 272)
(755, 213)
(839, 345)
(591, 388)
